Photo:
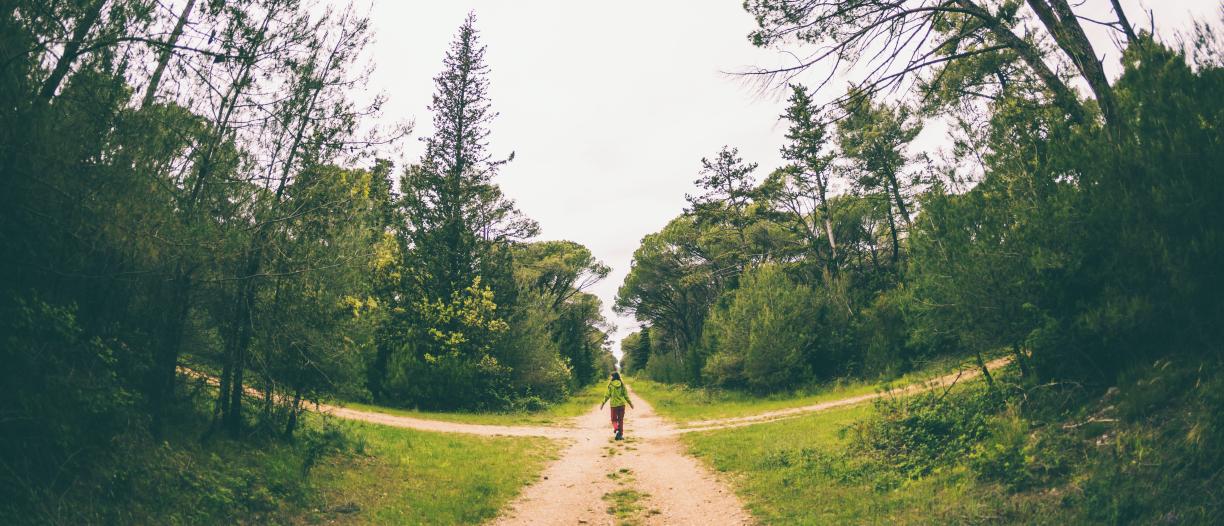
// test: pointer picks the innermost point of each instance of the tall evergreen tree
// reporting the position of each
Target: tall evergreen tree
(874, 137)
(728, 185)
(804, 192)
(454, 209)
(458, 229)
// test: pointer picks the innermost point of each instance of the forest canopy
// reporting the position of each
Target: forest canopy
(1074, 231)
(200, 188)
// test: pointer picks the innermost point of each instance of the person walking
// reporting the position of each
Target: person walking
(619, 397)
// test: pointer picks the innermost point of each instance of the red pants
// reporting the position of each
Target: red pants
(618, 419)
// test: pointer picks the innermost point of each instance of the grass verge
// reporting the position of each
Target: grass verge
(554, 415)
(1146, 451)
(402, 476)
(797, 472)
(333, 471)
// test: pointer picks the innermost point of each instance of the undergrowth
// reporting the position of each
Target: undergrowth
(1147, 450)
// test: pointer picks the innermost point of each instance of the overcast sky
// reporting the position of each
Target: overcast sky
(609, 106)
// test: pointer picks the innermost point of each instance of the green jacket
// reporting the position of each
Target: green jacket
(617, 394)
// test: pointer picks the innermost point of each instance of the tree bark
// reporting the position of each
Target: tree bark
(165, 362)
(294, 408)
(985, 371)
(168, 51)
(1127, 28)
(239, 343)
(1021, 360)
(1060, 21)
(1064, 97)
(892, 229)
(828, 220)
(896, 193)
(71, 52)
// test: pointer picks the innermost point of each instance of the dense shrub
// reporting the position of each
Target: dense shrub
(916, 434)
(776, 333)
(450, 381)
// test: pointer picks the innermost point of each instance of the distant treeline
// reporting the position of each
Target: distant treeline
(1080, 235)
(193, 184)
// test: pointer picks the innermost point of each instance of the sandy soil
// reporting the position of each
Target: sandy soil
(673, 488)
(445, 427)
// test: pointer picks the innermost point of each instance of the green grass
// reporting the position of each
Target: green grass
(334, 471)
(795, 472)
(554, 415)
(686, 404)
(402, 476)
(1147, 452)
(625, 505)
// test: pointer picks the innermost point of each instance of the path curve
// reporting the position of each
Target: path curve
(441, 426)
(578, 428)
(791, 412)
(387, 419)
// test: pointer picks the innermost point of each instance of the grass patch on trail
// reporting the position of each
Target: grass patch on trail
(627, 505)
(403, 476)
(687, 404)
(554, 415)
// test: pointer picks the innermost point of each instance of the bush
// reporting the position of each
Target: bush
(1020, 456)
(763, 338)
(449, 382)
(919, 433)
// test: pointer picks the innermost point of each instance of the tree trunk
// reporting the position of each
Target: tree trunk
(1127, 28)
(239, 343)
(294, 408)
(1021, 360)
(168, 51)
(828, 221)
(71, 52)
(165, 361)
(377, 373)
(892, 229)
(896, 193)
(985, 371)
(1064, 97)
(1062, 24)
(233, 417)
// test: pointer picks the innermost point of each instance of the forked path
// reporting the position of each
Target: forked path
(647, 423)
(659, 484)
(668, 486)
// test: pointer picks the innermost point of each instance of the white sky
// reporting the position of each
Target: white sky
(609, 106)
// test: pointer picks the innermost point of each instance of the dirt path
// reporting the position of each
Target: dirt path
(645, 479)
(445, 427)
(648, 423)
(409, 422)
(769, 416)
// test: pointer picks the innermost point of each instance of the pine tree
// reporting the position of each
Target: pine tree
(453, 207)
(812, 166)
(458, 222)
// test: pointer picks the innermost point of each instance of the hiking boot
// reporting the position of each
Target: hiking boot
(620, 436)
